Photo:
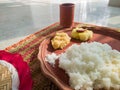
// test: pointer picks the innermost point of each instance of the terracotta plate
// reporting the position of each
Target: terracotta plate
(56, 74)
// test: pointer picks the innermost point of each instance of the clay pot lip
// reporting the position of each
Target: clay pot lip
(67, 4)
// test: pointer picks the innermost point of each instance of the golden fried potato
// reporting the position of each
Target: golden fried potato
(60, 40)
(81, 34)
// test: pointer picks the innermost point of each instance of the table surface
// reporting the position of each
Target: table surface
(20, 18)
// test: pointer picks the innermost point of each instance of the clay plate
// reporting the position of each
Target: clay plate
(58, 75)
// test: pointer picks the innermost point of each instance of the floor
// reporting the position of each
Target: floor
(19, 18)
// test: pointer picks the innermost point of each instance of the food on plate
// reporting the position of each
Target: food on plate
(91, 66)
(81, 34)
(60, 40)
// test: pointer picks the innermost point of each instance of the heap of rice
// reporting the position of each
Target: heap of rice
(91, 65)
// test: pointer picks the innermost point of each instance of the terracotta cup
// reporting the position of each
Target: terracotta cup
(67, 14)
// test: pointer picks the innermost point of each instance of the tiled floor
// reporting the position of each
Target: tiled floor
(19, 18)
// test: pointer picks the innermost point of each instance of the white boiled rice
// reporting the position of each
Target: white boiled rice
(91, 65)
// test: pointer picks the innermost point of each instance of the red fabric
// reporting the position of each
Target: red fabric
(22, 68)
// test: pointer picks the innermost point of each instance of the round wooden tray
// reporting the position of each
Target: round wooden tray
(58, 75)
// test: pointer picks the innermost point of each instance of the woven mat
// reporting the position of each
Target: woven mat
(5, 78)
(28, 48)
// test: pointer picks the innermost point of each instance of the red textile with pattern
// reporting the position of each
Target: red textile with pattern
(22, 68)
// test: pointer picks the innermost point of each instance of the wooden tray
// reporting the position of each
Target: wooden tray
(58, 75)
